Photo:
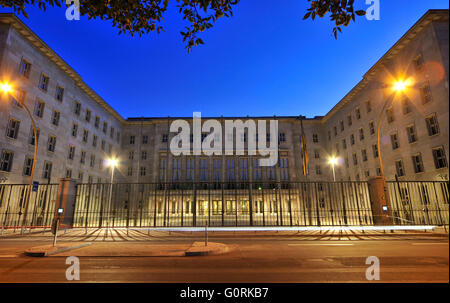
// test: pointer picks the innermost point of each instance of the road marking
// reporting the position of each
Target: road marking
(429, 243)
(329, 244)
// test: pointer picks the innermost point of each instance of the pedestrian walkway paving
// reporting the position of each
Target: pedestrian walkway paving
(144, 234)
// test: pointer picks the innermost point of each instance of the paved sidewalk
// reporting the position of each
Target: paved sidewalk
(122, 249)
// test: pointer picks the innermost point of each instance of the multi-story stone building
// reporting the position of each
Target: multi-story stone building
(78, 130)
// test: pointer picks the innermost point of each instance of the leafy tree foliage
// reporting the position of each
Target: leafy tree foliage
(137, 17)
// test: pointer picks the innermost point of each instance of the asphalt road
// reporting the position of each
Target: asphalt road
(254, 258)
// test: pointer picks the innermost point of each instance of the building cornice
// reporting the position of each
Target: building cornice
(33, 39)
(429, 17)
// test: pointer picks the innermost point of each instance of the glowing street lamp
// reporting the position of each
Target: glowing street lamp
(333, 161)
(8, 89)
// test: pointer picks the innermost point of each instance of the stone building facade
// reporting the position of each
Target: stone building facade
(78, 130)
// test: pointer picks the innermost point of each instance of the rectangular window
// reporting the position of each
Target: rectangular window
(105, 127)
(335, 131)
(12, 130)
(318, 170)
(111, 132)
(74, 130)
(406, 106)
(130, 155)
(25, 68)
(358, 113)
(375, 150)
(59, 93)
(352, 139)
(92, 162)
(19, 99)
(130, 171)
(77, 109)
(94, 141)
(203, 169)
(189, 169)
(432, 125)
(394, 141)
(417, 163)
(132, 139)
(418, 62)
(47, 170)
(55, 117)
(144, 155)
(315, 138)
(341, 123)
(83, 157)
(364, 155)
(43, 82)
(71, 152)
(68, 173)
(399, 168)
(390, 115)
(282, 137)
(316, 154)
(349, 120)
(103, 145)
(144, 139)
(361, 134)
(31, 140)
(142, 171)
(344, 144)
(164, 138)
(372, 127)
(88, 115)
(412, 136)
(27, 166)
(440, 160)
(355, 159)
(6, 160)
(97, 121)
(425, 92)
(51, 144)
(368, 106)
(39, 108)
(85, 135)
(176, 170)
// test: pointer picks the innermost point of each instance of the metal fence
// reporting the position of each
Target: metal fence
(418, 202)
(226, 204)
(41, 206)
(222, 204)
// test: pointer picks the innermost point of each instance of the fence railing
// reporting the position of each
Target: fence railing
(41, 206)
(226, 204)
(215, 204)
(419, 202)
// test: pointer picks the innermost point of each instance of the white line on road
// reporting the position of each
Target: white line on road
(429, 244)
(329, 244)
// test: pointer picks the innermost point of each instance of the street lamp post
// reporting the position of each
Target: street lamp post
(7, 89)
(399, 86)
(111, 163)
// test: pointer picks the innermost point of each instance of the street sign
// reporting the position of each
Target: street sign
(35, 186)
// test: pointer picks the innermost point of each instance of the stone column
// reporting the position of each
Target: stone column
(66, 200)
(379, 201)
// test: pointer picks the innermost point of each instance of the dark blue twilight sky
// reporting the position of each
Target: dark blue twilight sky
(265, 60)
